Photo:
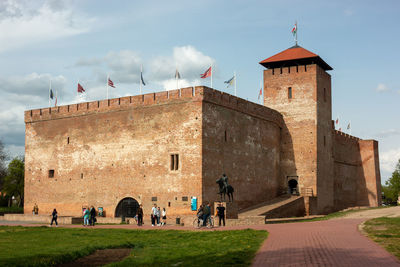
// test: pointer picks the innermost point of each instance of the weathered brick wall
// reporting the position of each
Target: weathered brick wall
(325, 180)
(241, 139)
(371, 194)
(299, 134)
(117, 148)
(356, 172)
(347, 176)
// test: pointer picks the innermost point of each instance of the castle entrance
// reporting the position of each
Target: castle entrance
(127, 207)
(292, 185)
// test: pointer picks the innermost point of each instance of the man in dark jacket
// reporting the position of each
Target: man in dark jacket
(221, 213)
(92, 215)
(140, 215)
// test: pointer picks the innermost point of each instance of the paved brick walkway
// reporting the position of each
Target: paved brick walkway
(324, 243)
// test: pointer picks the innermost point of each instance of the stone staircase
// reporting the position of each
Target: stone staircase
(281, 207)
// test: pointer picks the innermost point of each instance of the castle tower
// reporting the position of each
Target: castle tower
(297, 85)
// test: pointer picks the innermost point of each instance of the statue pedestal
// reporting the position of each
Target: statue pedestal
(231, 209)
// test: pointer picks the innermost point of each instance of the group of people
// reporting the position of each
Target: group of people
(158, 217)
(89, 217)
(204, 213)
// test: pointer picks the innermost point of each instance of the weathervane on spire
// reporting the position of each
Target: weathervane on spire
(294, 32)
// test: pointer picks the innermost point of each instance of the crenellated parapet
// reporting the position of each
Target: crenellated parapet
(189, 94)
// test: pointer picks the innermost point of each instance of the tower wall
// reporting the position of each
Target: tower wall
(306, 146)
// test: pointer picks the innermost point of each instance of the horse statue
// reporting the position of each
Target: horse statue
(225, 188)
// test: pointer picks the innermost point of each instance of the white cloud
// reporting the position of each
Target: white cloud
(23, 23)
(382, 87)
(388, 133)
(389, 159)
(124, 67)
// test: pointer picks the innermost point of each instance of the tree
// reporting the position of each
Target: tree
(3, 157)
(14, 181)
(392, 186)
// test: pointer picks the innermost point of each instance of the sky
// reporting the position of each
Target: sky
(85, 40)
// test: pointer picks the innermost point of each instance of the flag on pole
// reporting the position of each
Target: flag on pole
(260, 94)
(206, 74)
(141, 78)
(337, 121)
(294, 30)
(348, 126)
(177, 74)
(80, 88)
(51, 94)
(230, 81)
(110, 83)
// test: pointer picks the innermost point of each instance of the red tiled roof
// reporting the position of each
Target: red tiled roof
(294, 56)
(290, 54)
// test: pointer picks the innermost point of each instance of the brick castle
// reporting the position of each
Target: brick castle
(168, 147)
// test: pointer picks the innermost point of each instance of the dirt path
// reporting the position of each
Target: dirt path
(100, 258)
(375, 213)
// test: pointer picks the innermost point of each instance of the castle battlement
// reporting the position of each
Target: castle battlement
(345, 136)
(198, 93)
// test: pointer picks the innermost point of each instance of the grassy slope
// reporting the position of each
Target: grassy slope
(385, 231)
(42, 246)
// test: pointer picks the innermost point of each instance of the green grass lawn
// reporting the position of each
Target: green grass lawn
(385, 231)
(43, 246)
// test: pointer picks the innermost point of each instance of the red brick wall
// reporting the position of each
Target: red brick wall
(121, 147)
(299, 133)
(242, 144)
(356, 172)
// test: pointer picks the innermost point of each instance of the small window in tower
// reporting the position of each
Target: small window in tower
(324, 140)
(174, 162)
(81, 175)
(51, 173)
(226, 137)
(185, 198)
(297, 68)
(68, 140)
(273, 71)
(288, 69)
(305, 68)
(324, 94)
(290, 92)
(281, 70)
(153, 198)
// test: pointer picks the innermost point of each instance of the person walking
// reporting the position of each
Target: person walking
(164, 216)
(158, 216)
(93, 216)
(153, 214)
(221, 213)
(86, 216)
(54, 215)
(139, 214)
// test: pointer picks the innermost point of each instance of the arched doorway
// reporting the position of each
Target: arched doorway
(127, 207)
(292, 184)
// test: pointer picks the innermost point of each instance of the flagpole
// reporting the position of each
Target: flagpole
(176, 77)
(211, 74)
(234, 75)
(49, 92)
(140, 78)
(296, 32)
(107, 84)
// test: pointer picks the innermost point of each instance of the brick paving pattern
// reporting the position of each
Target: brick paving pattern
(323, 243)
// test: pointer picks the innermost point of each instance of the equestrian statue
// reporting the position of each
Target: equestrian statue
(225, 188)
